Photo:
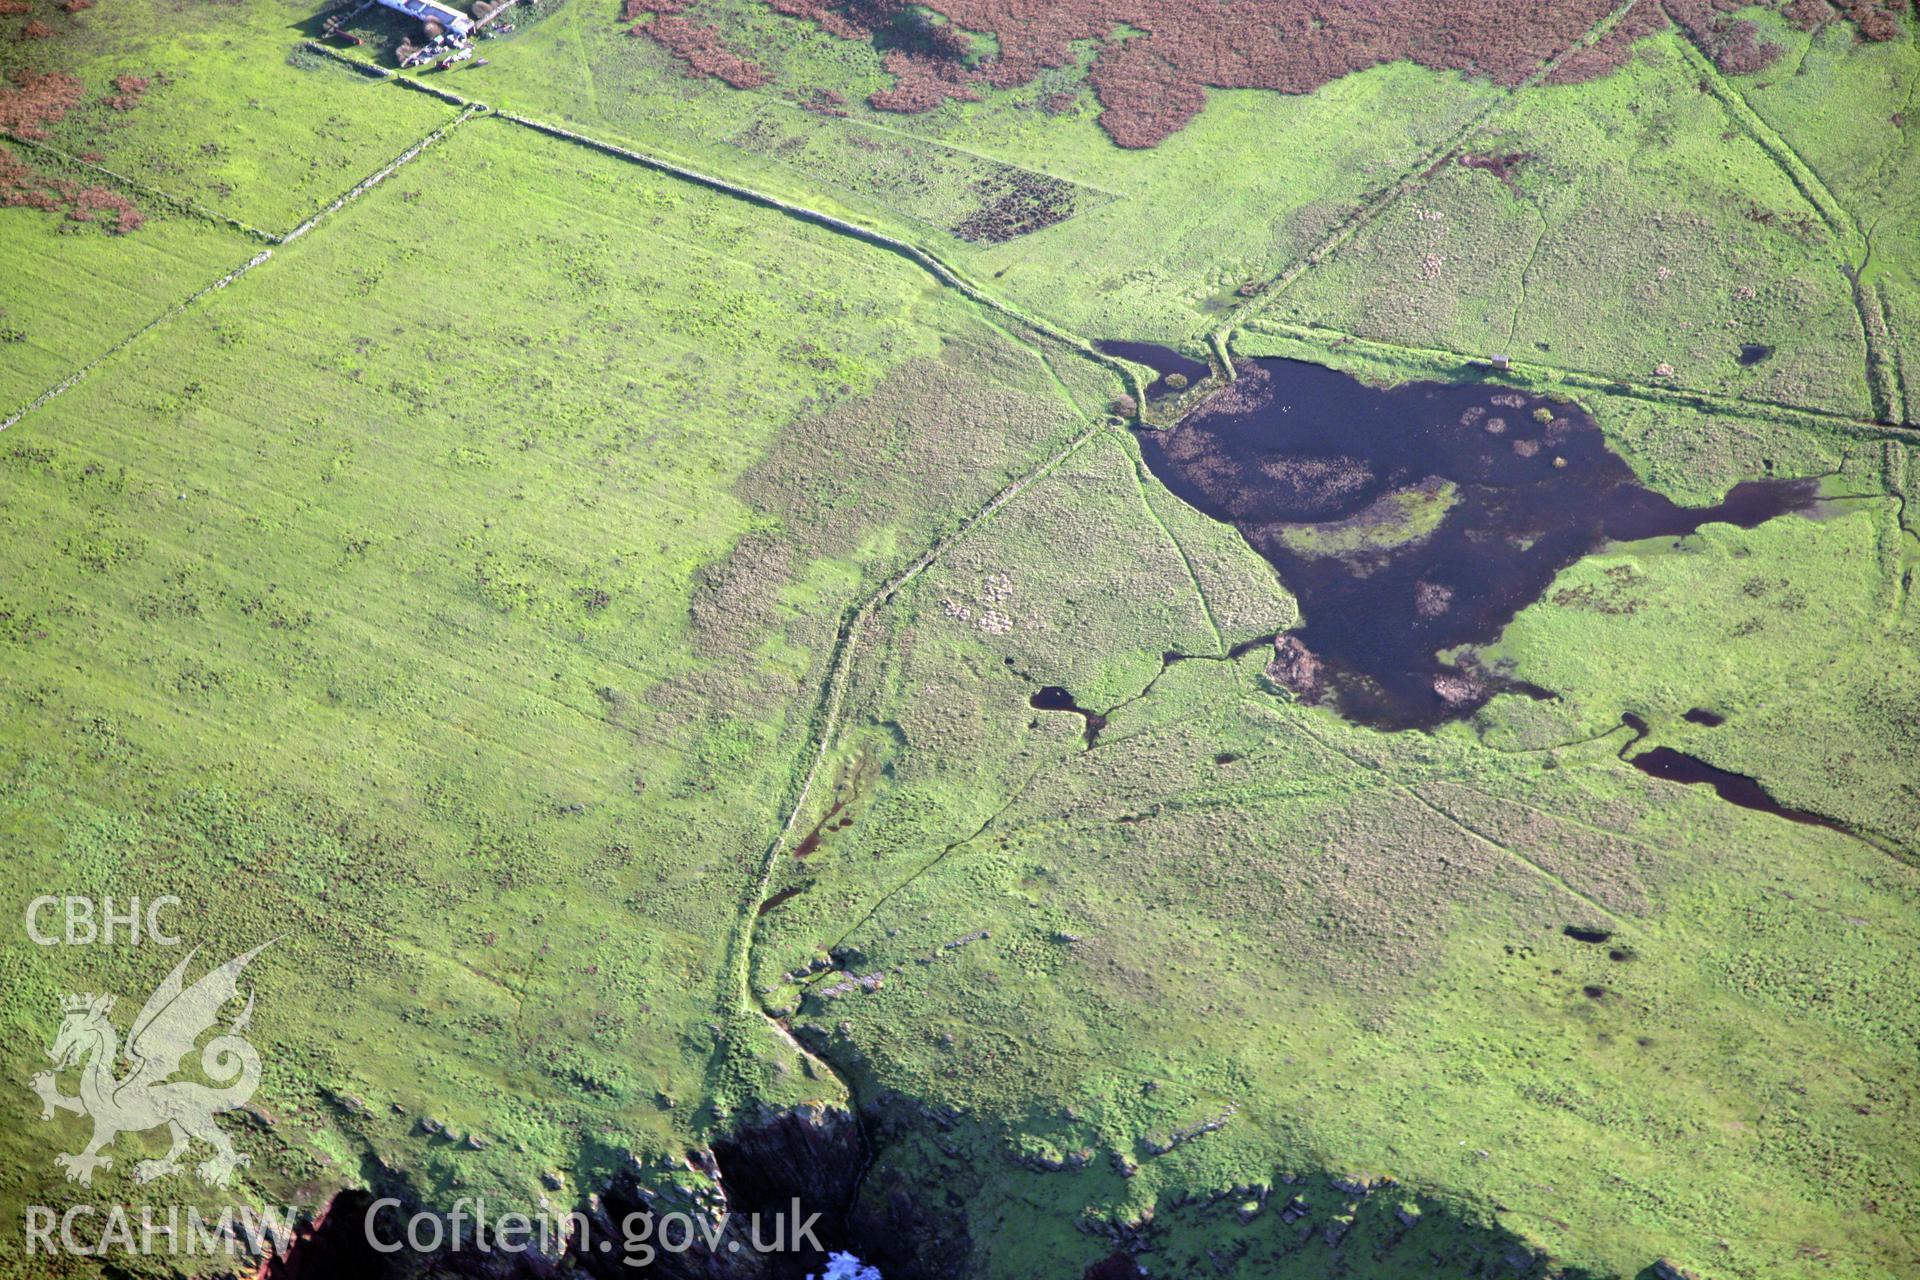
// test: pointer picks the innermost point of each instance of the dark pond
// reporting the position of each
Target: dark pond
(1413, 520)
(1734, 788)
(1162, 360)
(1754, 352)
(810, 843)
(1055, 698)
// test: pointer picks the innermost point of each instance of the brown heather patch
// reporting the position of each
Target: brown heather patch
(700, 47)
(115, 212)
(1875, 21)
(1613, 49)
(128, 90)
(35, 30)
(33, 101)
(1735, 46)
(1742, 52)
(19, 184)
(23, 186)
(831, 21)
(1151, 84)
(826, 102)
(1157, 58)
(1502, 167)
(922, 83)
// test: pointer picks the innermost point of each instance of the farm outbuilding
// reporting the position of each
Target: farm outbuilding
(449, 18)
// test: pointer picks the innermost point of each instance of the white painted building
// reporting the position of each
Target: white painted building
(453, 21)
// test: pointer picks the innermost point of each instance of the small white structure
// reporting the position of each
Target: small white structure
(450, 19)
(844, 1266)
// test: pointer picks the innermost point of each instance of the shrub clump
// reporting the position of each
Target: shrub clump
(32, 101)
(1741, 51)
(128, 90)
(23, 186)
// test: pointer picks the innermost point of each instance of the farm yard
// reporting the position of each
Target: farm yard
(646, 559)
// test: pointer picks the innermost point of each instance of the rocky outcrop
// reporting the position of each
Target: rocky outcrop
(905, 1213)
(1180, 1137)
(896, 1227)
(772, 1175)
(1295, 669)
(815, 1153)
(335, 1245)
(778, 1166)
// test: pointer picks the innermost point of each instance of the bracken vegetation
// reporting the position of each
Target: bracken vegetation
(700, 47)
(1157, 58)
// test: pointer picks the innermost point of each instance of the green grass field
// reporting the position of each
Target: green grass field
(1160, 241)
(1639, 235)
(238, 118)
(107, 288)
(318, 622)
(1867, 163)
